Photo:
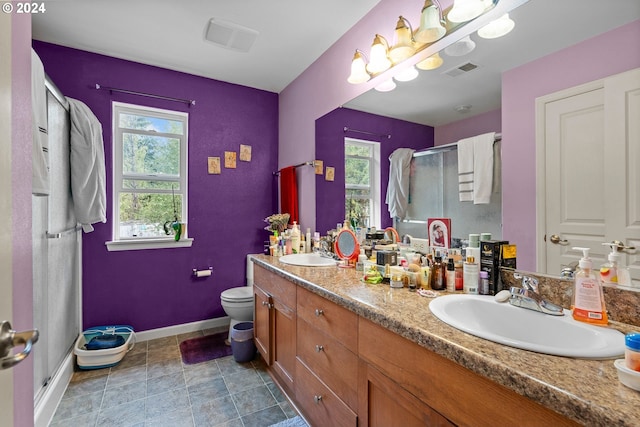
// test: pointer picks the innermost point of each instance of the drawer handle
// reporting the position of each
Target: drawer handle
(319, 348)
(319, 312)
(317, 398)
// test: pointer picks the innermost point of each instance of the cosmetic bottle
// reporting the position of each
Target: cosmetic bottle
(307, 241)
(483, 288)
(451, 275)
(459, 275)
(295, 238)
(437, 275)
(471, 276)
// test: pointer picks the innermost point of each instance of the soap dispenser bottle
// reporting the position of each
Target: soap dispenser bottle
(588, 299)
(609, 270)
(613, 272)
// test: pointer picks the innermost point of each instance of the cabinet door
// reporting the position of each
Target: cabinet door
(385, 403)
(284, 343)
(262, 323)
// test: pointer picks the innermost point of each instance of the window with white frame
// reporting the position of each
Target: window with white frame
(362, 182)
(149, 173)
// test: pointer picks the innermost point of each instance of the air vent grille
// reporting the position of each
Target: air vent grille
(230, 35)
(461, 69)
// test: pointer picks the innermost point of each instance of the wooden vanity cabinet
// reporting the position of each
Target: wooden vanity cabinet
(327, 362)
(395, 371)
(275, 324)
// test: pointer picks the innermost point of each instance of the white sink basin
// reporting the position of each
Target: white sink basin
(518, 327)
(307, 260)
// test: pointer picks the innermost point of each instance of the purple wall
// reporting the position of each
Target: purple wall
(153, 288)
(520, 88)
(330, 136)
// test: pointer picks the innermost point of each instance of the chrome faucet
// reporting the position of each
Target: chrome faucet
(527, 297)
(324, 250)
(569, 270)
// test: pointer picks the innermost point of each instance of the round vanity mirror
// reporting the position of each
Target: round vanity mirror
(392, 235)
(347, 247)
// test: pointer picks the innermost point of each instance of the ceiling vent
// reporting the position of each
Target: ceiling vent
(230, 35)
(460, 69)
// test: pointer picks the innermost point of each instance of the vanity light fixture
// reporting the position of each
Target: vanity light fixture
(430, 63)
(404, 45)
(431, 23)
(379, 55)
(358, 69)
(497, 28)
(407, 74)
(433, 27)
(462, 47)
(386, 86)
(465, 10)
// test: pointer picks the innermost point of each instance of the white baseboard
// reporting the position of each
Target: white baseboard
(46, 403)
(184, 328)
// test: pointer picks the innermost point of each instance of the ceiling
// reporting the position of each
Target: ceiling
(170, 34)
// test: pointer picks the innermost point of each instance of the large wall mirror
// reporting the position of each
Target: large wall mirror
(542, 27)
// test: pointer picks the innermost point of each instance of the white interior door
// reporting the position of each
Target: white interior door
(622, 98)
(6, 282)
(588, 152)
(574, 172)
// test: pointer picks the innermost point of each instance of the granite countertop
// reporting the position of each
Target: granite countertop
(587, 391)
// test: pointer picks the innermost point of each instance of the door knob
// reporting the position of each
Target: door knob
(555, 239)
(9, 339)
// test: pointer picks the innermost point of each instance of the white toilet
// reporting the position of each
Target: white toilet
(238, 302)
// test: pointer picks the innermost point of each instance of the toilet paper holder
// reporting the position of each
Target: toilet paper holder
(202, 273)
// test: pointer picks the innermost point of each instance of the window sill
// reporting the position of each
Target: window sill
(134, 245)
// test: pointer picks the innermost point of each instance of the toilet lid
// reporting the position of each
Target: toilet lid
(240, 294)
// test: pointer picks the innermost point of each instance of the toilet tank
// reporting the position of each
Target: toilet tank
(249, 271)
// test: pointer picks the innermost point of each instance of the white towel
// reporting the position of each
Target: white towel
(88, 182)
(475, 168)
(465, 169)
(483, 168)
(40, 150)
(398, 188)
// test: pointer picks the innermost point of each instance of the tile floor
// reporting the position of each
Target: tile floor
(152, 387)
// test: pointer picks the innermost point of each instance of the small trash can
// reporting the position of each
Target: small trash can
(242, 345)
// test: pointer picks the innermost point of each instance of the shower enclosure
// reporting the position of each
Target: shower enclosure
(57, 255)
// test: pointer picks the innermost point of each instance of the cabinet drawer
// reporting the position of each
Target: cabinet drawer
(320, 405)
(335, 321)
(278, 287)
(330, 361)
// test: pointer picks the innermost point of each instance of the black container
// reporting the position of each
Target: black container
(387, 257)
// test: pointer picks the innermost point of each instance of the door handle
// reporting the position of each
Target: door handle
(9, 339)
(555, 239)
(621, 247)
